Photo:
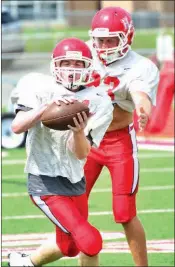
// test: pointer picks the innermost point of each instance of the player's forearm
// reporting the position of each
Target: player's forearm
(24, 121)
(141, 100)
(145, 103)
(80, 145)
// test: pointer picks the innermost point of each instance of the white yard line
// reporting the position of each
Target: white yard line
(4, 154)
(142, 155)
(13, 161)
(170, 169)
(160, 147)
(97, 213)
(155, 155)
(100, 190)
(145, 170)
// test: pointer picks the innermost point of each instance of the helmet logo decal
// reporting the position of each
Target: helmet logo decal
(101, 32)
(125, 23)
(74, 54)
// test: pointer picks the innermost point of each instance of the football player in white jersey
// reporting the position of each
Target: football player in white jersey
(55, 159)
(131, 82)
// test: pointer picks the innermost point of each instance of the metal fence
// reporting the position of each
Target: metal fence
(46, 55)
(149, 20)
(34, 12)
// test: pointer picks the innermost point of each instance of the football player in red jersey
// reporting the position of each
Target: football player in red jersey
(55, 159)
(131, 81)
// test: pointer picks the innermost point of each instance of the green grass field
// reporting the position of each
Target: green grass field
(155, 204)
(143, 39)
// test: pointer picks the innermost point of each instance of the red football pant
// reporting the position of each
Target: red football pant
(73, 232)
(118, 152)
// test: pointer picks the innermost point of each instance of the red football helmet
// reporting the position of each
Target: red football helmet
(112, 22)
(72, 77)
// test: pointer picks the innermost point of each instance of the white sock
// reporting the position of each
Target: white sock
(27, 261)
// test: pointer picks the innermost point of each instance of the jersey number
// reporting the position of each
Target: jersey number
(113, 82)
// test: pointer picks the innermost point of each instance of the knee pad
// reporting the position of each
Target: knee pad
(88, 239)
(124, 208)
(68, 247)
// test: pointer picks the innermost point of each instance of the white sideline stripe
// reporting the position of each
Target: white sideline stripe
(170, 169)
(98, 213)
(99, 190)
(150, 155)
(153, 246)
(38, 238)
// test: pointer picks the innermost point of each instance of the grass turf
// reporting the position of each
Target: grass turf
(157, 225)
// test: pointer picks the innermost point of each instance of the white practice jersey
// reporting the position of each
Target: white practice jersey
(47, 150)
(134, 73)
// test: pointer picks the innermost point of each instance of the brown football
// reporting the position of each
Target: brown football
(58, 117)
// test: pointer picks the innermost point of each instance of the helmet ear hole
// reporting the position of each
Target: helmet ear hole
(130, 38)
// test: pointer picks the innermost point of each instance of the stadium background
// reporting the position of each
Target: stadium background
(43, 23)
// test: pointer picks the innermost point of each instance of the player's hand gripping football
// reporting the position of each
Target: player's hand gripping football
(143, 119)
(42, 108)
(80, 122)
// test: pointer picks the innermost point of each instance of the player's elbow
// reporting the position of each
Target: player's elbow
(82, 154)
(16, 128)
(81, 157)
